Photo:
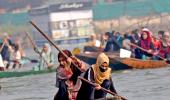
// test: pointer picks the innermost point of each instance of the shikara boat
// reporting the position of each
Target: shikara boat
(109, 98)
(117, 63)
(92, 49)
(9, 74)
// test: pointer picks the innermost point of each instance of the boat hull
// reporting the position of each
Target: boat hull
(92, 49)
(24, 73)
(117, 63)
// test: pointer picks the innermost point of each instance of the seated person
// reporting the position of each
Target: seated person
(112, 44)
(165, 47)
(145, 43)
(46, 58)
(99, 73)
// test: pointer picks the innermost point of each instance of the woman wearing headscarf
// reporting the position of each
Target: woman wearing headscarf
(145, 42)
(46, 58)
(67, 76)
(99, 73)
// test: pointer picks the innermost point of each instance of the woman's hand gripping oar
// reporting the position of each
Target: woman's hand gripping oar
(35, 48)
(106, 90)
(49, 40)
(146, 51)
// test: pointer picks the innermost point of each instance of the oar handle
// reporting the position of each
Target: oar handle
(49, 40)
(146, 50)
(105, 90)
(29, 37)
(35, 47)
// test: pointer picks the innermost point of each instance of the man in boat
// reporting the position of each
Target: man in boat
(126, 41)
(99, 73)
(93, 45)
(112, 43)
(46, 58)
(161, 34)
(135, 36)
(94, 41)
(6, 47)
(67, 76)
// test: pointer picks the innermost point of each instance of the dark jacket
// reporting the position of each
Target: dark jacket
(5, 51)
(88, 92)
(112, 45)
(139, 52)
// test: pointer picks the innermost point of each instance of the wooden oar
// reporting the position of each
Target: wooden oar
(49, 40)
(146, 50)
(2, 46)
(105, 90)
(31, 60)
(35, 47)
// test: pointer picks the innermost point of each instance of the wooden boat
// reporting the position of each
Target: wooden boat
(92, 49)
(108, 98)
(9, 74)
(117, 63)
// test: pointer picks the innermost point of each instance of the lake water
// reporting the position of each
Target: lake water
(150, 84)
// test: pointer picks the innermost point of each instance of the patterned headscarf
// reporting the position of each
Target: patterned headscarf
(67, 52)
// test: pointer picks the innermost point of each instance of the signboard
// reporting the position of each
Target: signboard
(72, 28)
(70, 6)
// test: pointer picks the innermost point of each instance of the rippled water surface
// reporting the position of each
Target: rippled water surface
(150, 84)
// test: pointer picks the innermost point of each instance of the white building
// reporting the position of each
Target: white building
(64, 22)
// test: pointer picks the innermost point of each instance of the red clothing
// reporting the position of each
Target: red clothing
(164, 50)
(2, 68)
(157, 44)
(145, 43)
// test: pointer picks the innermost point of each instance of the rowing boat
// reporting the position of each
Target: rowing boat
(92, 49)
(9, 74)
(109, 98)
(117, 63)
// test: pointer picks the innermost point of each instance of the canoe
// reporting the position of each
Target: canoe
(108, 98)
(92, 49)
(9, 74)
(117, 63)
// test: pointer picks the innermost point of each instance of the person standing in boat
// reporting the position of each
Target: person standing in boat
(46, 58)
(100, 74)
(67, 76)
(18, 54)
(6, 46)
(146, 43)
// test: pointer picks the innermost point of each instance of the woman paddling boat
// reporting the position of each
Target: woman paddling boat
(100, 74)
(67, 76)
